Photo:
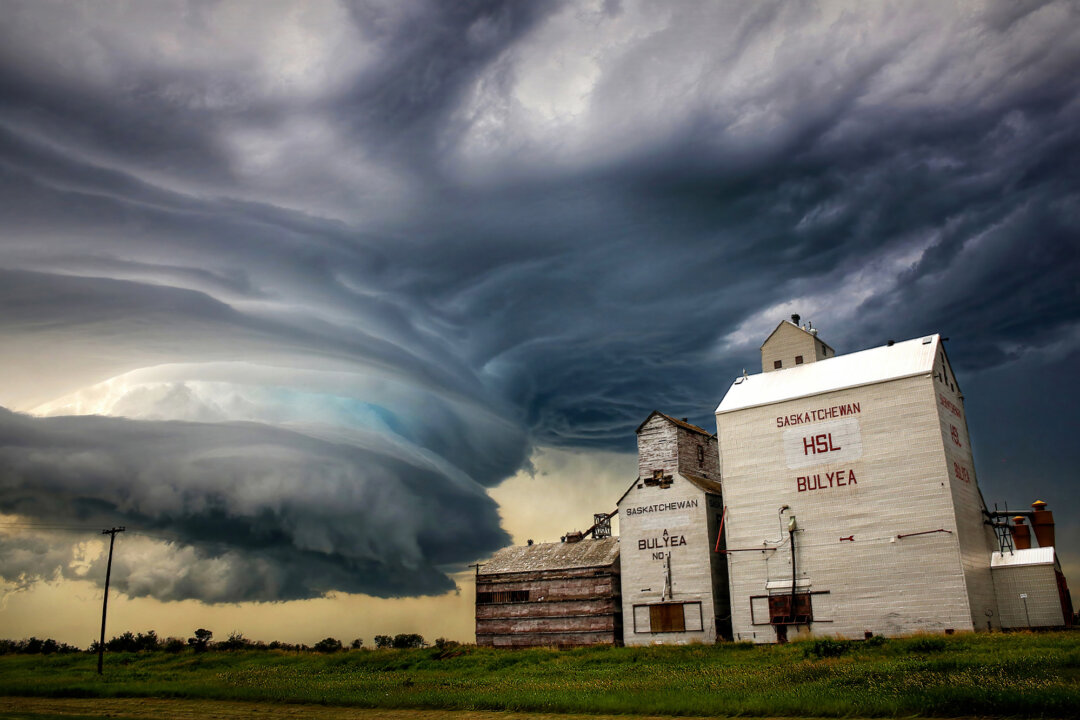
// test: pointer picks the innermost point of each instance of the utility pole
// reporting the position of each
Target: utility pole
(105, 601)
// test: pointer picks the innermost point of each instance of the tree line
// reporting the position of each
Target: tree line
(202, 641)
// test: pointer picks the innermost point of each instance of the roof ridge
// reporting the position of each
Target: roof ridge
(681, 423)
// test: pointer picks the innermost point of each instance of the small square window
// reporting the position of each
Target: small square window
(798, 359)
(777, 365)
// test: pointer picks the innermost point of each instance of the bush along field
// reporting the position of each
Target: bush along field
(1017, 675)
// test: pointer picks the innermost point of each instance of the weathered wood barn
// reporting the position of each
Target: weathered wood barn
(675, 586)
(559, 594)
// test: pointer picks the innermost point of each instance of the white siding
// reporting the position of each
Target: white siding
(876, 582)
(977, 539)
(644, 569)
(786, 343)
(1039, 584)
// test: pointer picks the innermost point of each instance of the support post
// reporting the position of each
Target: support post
(105, 600)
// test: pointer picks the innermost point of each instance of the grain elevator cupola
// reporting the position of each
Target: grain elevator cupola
(792, 344)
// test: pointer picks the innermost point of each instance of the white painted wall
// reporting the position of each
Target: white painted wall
(976, 538)
(644, 570)
(876, 582)
(1039, 584)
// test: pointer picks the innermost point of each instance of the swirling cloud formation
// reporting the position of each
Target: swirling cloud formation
(334, 268)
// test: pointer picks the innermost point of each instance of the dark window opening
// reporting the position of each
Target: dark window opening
(667, 617)
(798, 360)
(780, 609)
(777, 364)
(502, 596)
(700, 455)
(659, 479)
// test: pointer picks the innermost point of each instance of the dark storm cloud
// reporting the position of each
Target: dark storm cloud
(319, 516)
(537, 221)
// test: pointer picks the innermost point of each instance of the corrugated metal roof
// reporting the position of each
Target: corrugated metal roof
(1031, 556)
(709, 486)
(888, 362)
(553, 556)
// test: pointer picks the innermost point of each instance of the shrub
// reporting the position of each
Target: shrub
(35, 646)
(328, 645)
(173, 645)
(875, 641)
(825, 648)
(236, 641)
(926, 644)
(201, 640)
(357, 644)
(444, 644)
(122, 643)
(383, 641)
(409, 640)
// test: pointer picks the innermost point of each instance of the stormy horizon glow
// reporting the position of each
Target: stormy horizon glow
(293, 289)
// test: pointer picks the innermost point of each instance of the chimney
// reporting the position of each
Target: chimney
(1042, 522)
(1021, 533)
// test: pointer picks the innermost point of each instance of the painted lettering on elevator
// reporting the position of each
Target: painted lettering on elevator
(829, 442)
(826, 480)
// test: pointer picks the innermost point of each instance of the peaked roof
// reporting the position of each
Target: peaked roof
(587, 553)
(788, 322)
(681, 423)
(888, 362)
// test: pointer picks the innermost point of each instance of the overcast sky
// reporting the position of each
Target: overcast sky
(333, 272)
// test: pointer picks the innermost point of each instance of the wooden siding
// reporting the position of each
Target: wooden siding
(566, 607)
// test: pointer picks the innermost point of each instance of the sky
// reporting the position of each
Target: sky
(326, 301)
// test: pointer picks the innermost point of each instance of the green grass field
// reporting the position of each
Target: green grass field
(1020, 675)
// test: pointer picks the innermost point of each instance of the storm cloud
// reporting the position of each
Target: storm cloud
(340, 266)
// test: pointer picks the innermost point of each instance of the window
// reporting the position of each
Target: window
(780, 611)
(668, 617)
(778, 364)
(700, 455)
(798, 359)
(502, 596)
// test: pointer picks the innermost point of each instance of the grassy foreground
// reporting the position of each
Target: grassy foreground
(964, 675)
